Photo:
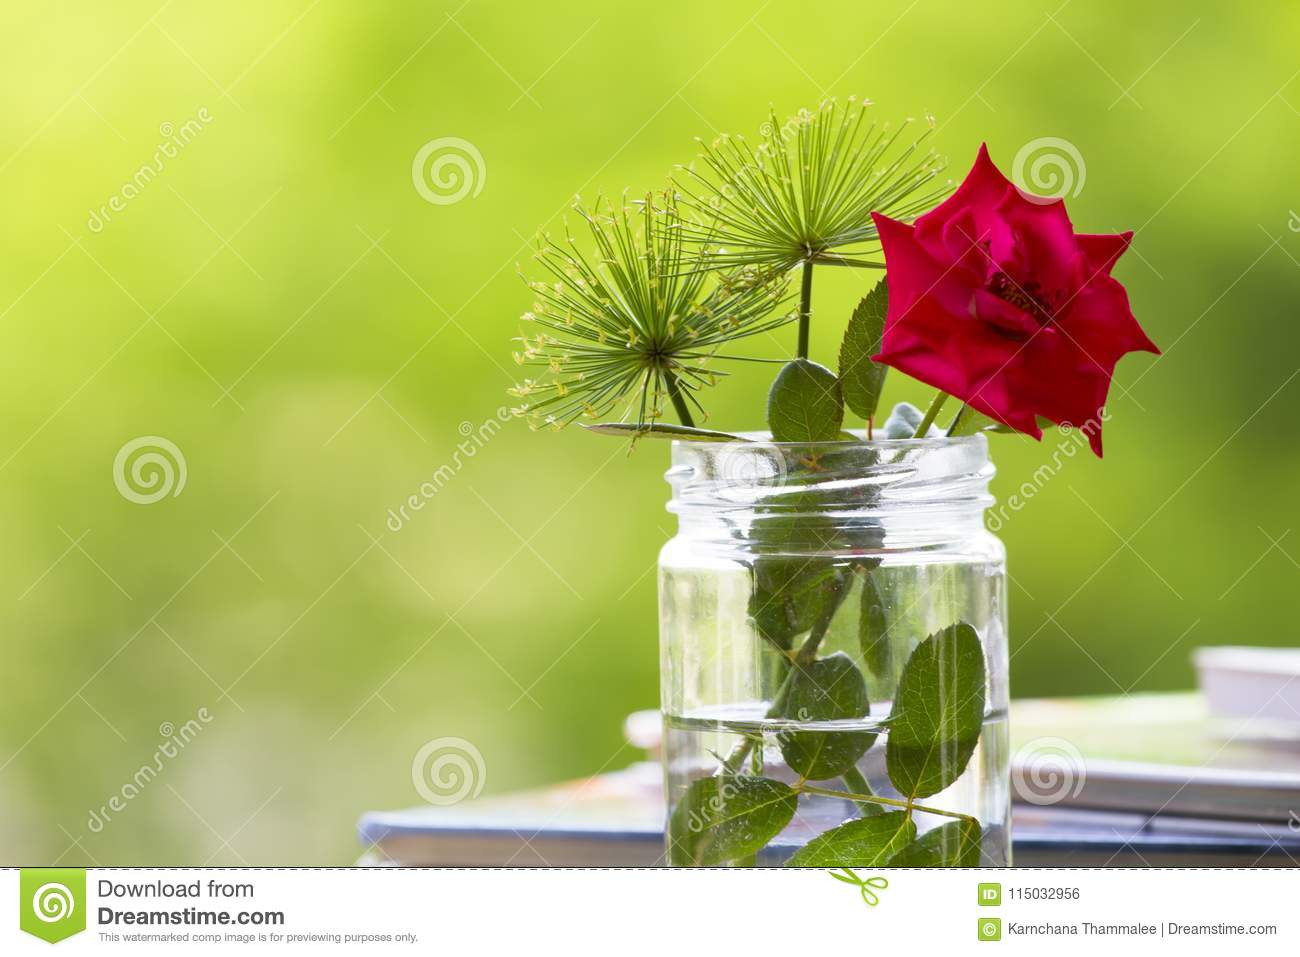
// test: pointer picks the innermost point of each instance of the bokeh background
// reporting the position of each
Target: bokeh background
(284, 305)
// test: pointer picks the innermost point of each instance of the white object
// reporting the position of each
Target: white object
(645, 730)
(1243, 682)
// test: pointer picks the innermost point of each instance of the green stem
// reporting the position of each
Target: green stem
(877, 799)
(679, 400)
(956, 419)
(931, 414)
(733, 762)
(805, 655)
(805, 308)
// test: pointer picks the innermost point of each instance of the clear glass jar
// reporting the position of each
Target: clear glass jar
(834, 655)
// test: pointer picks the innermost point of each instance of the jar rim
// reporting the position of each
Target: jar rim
(869, 480)
(764, 439)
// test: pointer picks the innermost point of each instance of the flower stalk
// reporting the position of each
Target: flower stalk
(805, 309)
(678, 400)
(932, 413)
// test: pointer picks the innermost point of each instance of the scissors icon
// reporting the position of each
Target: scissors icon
(866, 885)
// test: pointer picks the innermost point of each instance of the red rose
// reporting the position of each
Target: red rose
(995, 299)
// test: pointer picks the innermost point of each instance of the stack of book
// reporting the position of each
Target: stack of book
(1188, 779)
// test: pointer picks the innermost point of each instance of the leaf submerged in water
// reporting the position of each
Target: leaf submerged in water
(724, 818)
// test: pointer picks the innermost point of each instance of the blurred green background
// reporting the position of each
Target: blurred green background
(281, 303)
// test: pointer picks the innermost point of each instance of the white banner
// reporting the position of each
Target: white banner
(651, 912)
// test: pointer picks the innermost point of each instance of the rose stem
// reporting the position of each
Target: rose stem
(956, 420)
(805, 308)
(679, 401)
(931, 414)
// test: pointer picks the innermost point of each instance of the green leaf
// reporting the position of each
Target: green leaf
(791, 595)
(904, 421)
(805, 404)
(860, 378)
(862, 842)
(793, 587)
(956, 844)
(662, 430)
(968, 422)
(938, 712)
(873, 628)
(830, 689)
(721, 819)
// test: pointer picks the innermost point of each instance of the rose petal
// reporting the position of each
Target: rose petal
(995, 299)
(983, 187)
(1101, 250)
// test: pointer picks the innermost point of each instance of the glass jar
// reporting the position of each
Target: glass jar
(834, 655)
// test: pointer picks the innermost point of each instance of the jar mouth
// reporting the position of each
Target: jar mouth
(858, 478)
(859, 440)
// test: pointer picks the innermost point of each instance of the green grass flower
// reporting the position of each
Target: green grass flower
(637, 319)
(808, 189)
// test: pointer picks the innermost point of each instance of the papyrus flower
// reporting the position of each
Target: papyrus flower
(633, 319)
